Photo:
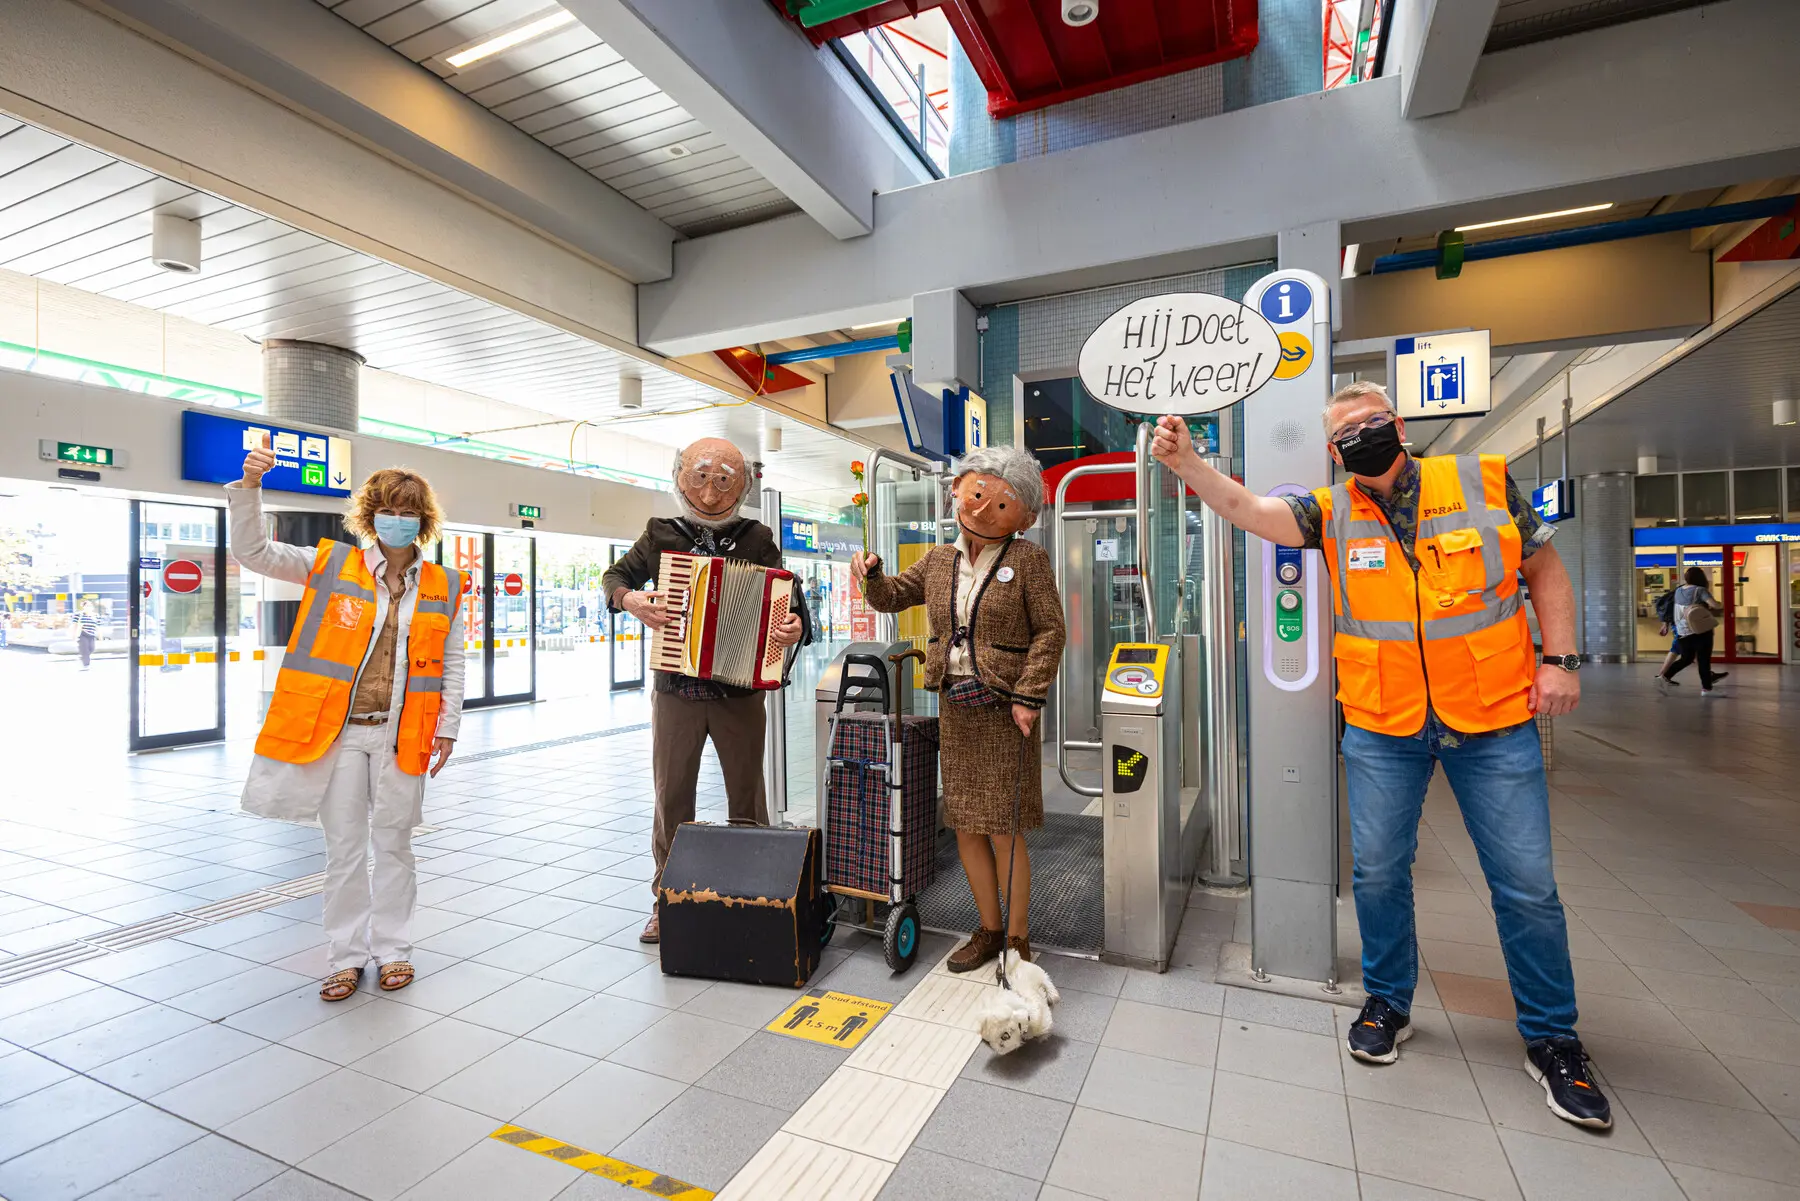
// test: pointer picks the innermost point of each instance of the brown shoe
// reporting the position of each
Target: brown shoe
(652, 929)
(983, 946)
(1022, 946)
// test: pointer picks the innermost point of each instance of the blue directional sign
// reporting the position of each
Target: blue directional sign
(213, 448)
(1286, 302)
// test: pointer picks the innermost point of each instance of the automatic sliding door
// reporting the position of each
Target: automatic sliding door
(513, 654)
(176, 570)
(625, 641)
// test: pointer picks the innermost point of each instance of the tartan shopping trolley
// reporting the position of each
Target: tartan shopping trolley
(880, 810)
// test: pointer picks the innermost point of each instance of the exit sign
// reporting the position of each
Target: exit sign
(78, 452)
(535, 512)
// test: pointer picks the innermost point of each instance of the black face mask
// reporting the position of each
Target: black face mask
(1371, 452)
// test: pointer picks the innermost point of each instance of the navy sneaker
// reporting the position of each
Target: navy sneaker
(1378, 1031)
(1561, 1066)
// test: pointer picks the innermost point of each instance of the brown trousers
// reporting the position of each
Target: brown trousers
(679, 729)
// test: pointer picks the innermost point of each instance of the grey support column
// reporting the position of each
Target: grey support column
(1608, 619)
(312, 384)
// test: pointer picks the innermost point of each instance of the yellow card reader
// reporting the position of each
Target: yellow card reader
(1136, 670)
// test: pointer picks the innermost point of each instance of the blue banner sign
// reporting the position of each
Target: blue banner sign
(213, 449)
(1705, 535)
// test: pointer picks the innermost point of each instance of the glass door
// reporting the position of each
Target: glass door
(512, 653)
(1753, 610)
(624, 641)
(177, 604)
(466, 551)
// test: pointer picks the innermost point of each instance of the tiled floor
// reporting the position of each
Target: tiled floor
(203, 1066)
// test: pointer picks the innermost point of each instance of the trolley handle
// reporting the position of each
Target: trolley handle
(862, 686)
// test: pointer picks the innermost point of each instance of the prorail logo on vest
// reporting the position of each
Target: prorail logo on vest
(1182, 352)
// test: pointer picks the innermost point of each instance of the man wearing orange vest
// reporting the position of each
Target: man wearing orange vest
(1435, 665)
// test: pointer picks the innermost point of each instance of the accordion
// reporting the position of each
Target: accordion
(724, 615)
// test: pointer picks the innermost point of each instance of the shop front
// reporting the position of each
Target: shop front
(1752, 569)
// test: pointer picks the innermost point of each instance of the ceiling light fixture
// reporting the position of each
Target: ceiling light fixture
(518, 35)
(1080, 12)
(679, 151)
(1587, 208)
(857, 329)
(1785, 413)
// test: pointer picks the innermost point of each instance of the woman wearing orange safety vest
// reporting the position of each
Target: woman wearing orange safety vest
(366, 705)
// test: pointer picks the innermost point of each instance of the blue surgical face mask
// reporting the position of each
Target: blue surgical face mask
(396, 531)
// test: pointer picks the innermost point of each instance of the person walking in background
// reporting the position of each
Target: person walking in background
(1665, 614)
(367, 704)
(1696, 617)
(88, 633)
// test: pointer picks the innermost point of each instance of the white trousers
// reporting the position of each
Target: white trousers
(367, 915)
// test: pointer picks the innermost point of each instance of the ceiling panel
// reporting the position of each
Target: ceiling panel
(74, 216)
(574, 93)
(1521, 22)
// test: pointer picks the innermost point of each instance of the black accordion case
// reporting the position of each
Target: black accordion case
(744, 903)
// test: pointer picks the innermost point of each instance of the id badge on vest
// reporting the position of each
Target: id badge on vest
(1368, 554)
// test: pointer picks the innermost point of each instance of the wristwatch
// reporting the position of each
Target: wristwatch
(1566, 662)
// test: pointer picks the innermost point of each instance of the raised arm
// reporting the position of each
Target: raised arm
(1267, 517)
(251, 545)
(889, 593)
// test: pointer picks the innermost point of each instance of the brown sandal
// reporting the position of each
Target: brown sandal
(395, 975)
(983, 946)
(341, 985)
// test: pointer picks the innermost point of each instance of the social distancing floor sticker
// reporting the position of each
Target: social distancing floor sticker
(835, 1019)
(616, 1170)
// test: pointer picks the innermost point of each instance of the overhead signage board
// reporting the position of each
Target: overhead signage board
(1554, 501)
(213, 448)
(1703, 535)
(1440, 375)
(1187, 352)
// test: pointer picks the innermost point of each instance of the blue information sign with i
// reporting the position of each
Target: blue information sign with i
(1286, 302)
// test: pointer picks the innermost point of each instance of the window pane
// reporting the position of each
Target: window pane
(1657, 497)
(1757, 494)
(1705, 496)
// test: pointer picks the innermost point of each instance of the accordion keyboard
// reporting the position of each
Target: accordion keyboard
(723, 614)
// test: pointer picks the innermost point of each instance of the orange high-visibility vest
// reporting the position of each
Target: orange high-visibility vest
(1450, 636)
(325, 653)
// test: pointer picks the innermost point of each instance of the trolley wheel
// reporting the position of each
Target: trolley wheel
(900, 942)
(830, 923)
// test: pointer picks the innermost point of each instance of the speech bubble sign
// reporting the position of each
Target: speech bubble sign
(1182, 352)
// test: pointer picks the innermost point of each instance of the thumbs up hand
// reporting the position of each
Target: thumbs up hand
(257, 462)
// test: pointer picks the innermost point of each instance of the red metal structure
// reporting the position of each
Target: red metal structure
(1028, 58)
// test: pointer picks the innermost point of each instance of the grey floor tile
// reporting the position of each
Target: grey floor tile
(1776, 1085)
(681, 1046)
(597, 967)
(1713, 1136)
(1163, 1164)
(1234, 1171)
(242, 1086)
(25, 1072)
(236, 993)
(752, 1005)
(1052, 1067)
(1379, 1188)
(34, 1027)
(1163, 1091)
(513, 1078)
(493, 1169)
(1281, 1117)
(650, 985)
(290, 1013)
(123, 1035)
(172, 1061)
(1558, 1170)
(110, 969)
(702, 1137)
(536, 912)
(207, 1169)
(449, 989)
(1002, 1128)
(46, 1114)
(531, 951)
(599, 1026)
(1083, 1016)
(400, 1148)
(1273, 1009)
(1706, 1184)
(431, 1055)
(1277, 1053)
(774, 1071)
(865, 975)
(357, 1032)
(84, 1160)
(925, 1175)
(600, 1108)
(1437, 1152)
(1515, 1101)
(471, 936)
(1177, 988)
(1168, 1033)
(208, 967)
(1433, 1083)
(223, 934)
(523, 1006)
(312, 1117)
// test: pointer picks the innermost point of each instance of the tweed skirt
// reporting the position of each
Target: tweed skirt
(978, 758)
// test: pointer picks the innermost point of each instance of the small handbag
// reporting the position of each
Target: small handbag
(971, 693)
(1699, 619)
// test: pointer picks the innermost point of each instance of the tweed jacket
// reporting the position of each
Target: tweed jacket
(1017, 623)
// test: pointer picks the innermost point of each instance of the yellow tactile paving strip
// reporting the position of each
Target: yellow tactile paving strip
(615, 1170)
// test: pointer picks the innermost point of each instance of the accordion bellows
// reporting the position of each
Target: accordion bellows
(725, 612)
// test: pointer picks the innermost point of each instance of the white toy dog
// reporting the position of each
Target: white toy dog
(1010, 1016)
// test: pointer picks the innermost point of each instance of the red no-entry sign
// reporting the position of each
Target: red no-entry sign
(181, 575)
(514, 583)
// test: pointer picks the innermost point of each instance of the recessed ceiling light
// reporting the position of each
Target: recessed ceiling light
(518, 35)
(1785, 413)
(679, 151)
(1586, 208)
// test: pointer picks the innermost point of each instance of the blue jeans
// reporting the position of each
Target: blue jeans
(1505, 800)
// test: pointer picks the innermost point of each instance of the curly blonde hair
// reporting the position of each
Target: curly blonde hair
(395, 488)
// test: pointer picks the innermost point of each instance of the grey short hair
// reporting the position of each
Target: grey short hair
(1018, 467)
(1361, 389)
